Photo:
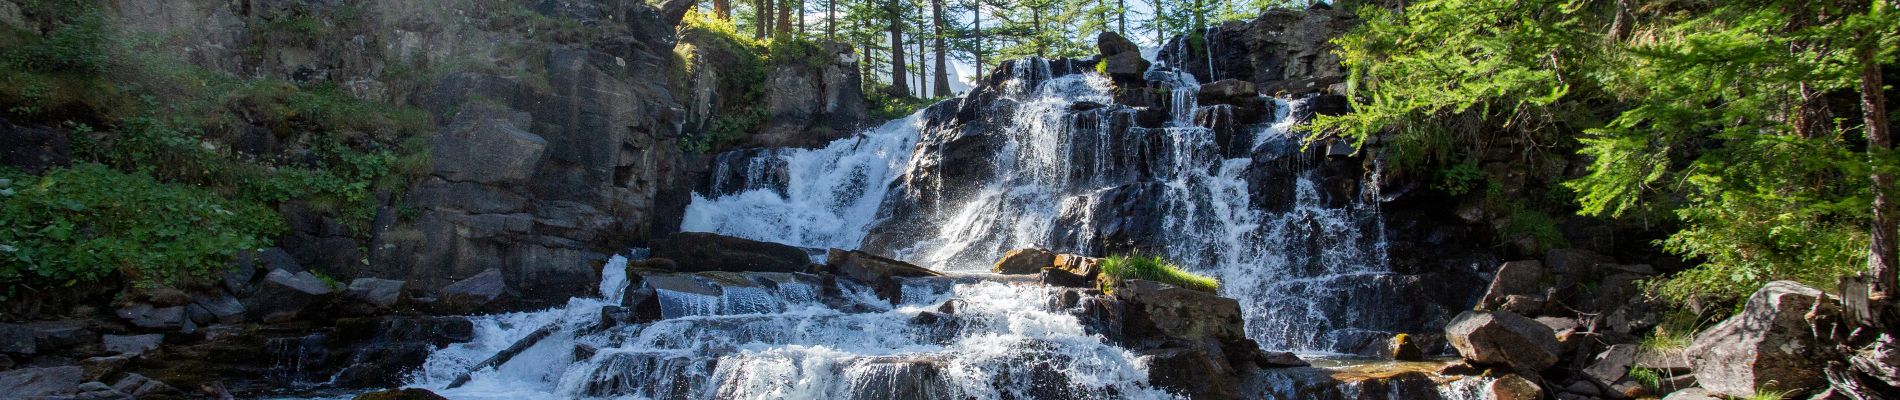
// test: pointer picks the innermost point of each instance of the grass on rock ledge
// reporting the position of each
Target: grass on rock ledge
(1156, 269)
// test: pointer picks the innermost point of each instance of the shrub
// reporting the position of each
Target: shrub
(1158, 270)
(88, 222)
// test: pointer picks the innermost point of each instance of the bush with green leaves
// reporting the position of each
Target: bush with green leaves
(88, 222)
(1157, 269)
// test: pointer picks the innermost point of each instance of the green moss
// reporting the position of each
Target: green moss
(1158, 270)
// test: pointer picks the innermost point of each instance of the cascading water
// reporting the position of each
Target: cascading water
(1294, 270)
(779, 336)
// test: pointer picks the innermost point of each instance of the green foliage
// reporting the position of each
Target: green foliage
(1158, 270)
(87, 222)
(1649, 378)
(1675, 332)
(1690, 112)
(1460, 178)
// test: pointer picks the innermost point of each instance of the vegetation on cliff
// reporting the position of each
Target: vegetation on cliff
(1740, 125)
(168, 178)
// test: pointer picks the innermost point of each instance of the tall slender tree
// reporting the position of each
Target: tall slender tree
(942, 86)
(894, 13)
(1882, 261)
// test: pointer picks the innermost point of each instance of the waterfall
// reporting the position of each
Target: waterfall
(786, 339)
(1300, 271)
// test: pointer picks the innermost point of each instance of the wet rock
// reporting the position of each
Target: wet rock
(1503, 338)
(1064, 278)
(17, 339)
(40, 382)
(132, 345)
(879, 272)
(379, 292)
(146, 316)
(1024, 261)
(1283, 359)
(1513, 387)
(1125, 67)
(401, 394)
(283, 295)
(141, 386)
(1191, 372)
(1402, 348)
(1085, 267)
(1768, 346)
(700, 252)
(1513, 278)
(1227, 91)
(475, 291)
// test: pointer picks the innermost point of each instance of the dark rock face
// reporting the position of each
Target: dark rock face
(1283, 51)
(879, 272)
(33, 149)
(1769, 345)
(1503, 338)
(698, 252)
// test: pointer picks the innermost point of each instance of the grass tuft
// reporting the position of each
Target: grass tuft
(1158, 270)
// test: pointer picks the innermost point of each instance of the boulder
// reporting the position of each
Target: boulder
(475, 291)
(1513, 278)
(879, 272)
(26, 383)
(1770, 345)
(1111, 43)
(1191, 372)
(283, 295)
(1283, 359)
(1024, 262)
(147, 316)
(401, 394)
(132, 345)
(1125, 67)
(223, 307)
(1513, 387)
(701, 252)
(17, 339)
(1402, 348)
(1085, 267)
(379, 292)
(1503, 338)
(1611, 365)
(32, 149)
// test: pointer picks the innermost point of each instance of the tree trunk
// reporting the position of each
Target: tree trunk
(831, 19)
(899, 86)
(801, 16)
(943, 74)
(784, 28)
(978, 12)
(1882, 257)
(922, 72)
(1121, 7)
(722, 9)
(1035, 34)
(762, 18)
